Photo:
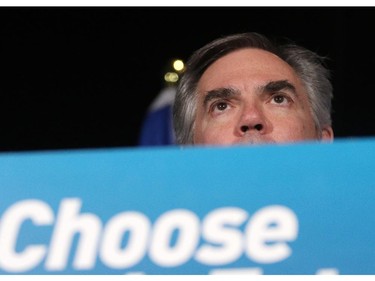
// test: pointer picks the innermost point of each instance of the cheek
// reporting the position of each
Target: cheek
(295, 129)
(213, 133)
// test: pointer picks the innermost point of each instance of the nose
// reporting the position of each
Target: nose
(252, 120)
(245, 128)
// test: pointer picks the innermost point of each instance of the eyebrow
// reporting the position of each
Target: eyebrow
(220, 93)
(275, 86)
(269, 87)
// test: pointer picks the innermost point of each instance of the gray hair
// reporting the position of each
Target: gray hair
(308, 65)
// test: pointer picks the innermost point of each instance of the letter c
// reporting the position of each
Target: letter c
(40, 214)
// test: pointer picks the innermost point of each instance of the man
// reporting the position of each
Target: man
(244, 89)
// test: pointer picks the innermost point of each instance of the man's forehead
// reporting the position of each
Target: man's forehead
(246, 66)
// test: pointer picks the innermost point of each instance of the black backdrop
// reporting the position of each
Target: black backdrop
(83, 77)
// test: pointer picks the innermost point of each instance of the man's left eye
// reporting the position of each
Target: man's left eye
(279, 99)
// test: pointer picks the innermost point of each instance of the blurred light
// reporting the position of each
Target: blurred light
(171, 77)
(178, 65)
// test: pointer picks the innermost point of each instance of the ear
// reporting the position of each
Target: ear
(327, 134)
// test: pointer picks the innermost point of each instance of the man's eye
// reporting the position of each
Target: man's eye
(221, 106)
(280, 99)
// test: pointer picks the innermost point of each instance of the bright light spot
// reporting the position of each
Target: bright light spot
(171, 77)
(178, 65)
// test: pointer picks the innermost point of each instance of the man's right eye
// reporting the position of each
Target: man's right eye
(221, 106)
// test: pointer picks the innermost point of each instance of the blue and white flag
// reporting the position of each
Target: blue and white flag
(157, 128)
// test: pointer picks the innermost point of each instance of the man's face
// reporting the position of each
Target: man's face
(252, 96)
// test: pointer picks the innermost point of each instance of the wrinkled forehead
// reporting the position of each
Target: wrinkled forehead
(247, 66)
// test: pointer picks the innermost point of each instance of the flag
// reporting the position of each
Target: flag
(157, 127)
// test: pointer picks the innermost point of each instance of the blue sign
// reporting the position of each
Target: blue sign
(306, 208)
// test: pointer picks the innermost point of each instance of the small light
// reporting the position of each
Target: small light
(171, 77)
(178, 65)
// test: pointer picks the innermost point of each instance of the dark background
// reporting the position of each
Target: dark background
(83, 77)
